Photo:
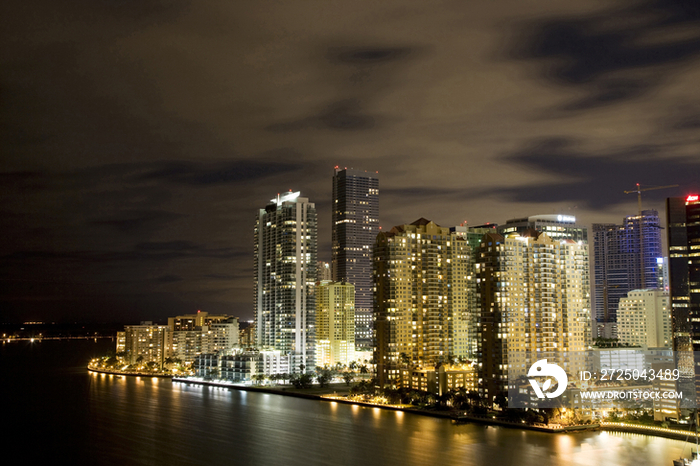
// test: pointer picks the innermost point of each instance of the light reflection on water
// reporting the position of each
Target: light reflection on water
(173, 422)
(105, 420)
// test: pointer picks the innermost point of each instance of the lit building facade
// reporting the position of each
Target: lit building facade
(324, 272)
(355, 217)
(246, 335)
(241, 366)
(185, 345)
(555, 226)
(423, 282)
(194, 334)
(193, 321)
(534, 294)
(220, 336)
(285, 275)
(644, 319)
(440, 380)
(625, 258)
(148, 341)
(335, 323)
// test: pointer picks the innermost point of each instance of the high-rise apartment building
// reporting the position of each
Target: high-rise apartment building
(285, 276)
(148, 341)
(644, 319)
(192, 321)
(423, 279)
(534, 299)
(335, 323)
(194, 334)
(555, 226)
(221, 337)
(355, 216)
(625, 258)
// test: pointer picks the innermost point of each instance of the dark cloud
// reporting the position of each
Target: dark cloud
(167, 246)
(616, 55)
(141, 253)
(233, 172)
(597, 181)
(170, 278)
(369, 56)
(421, 192)
(138, 221)
(344, 115)
(221, 276)
(139, 139)
(684, 118)
(372, 69)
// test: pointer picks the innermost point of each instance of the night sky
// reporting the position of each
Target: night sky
(139, 138)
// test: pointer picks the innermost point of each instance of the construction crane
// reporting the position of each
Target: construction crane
(640, 189)
(641, 230)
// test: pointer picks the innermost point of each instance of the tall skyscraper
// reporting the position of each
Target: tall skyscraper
(335, 323)
(683, 216)
(355, 216)
(534, 295)
(683, 222)
(285, 277)
(625, 258)
(423, 281)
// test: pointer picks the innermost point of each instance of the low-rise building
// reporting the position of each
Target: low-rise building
(242, 365)
(439, 380)
(644, 319)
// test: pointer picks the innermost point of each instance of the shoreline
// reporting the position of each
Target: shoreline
(454, 417)
(129, 374)
(651, 431)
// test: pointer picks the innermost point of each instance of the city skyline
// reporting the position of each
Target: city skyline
(139, 140)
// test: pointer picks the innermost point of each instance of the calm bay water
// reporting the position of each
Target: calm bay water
(57, 411)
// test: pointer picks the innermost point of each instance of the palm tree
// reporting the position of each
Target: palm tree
(324, 377)
(348, 378)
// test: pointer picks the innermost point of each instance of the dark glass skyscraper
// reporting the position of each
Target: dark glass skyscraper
(355, 216)
(683, 216)
(625, 258)
(683, 221)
